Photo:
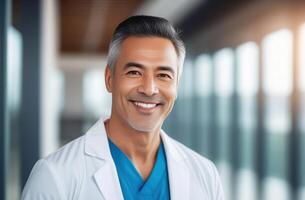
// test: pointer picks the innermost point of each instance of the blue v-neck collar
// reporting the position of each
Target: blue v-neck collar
(126, 170)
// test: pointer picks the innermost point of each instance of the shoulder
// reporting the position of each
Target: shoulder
(68, 162)
(42, 182)
(68, 155)
(57, 173)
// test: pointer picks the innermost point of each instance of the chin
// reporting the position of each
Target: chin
(144, 128)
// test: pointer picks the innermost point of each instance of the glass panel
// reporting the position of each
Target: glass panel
(203, 76)
(14, 98)
(96, 98)
(247, 87)
(247, 84)
(224, 70)
(223, 63)
(275, 188)
(185, 83)
(302, 112)
(184, 105)
(202, 117)
(302, 58)
(247, 60)
(277, 65)
(277, 61)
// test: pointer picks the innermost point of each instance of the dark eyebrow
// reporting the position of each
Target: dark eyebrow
(133, 64)
(166, 68)
(138, 65)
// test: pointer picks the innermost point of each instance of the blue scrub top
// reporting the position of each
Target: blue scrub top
(132, 184)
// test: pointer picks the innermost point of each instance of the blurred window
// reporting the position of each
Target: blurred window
(247, 87)
(302, 58)
(277, 61)
(203, 117)
(302, 112)
(185, 84)
(302, 78)
(14, 69)
(203, 76)
(224, 61)
(224, 70)
(14, 79)
(183, 105)
(247, 60)
(247, 84)
(277, 66)
(96, 98)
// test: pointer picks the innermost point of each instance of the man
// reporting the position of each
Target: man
(128, 156)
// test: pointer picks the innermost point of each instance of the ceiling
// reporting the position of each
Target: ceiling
(86, 26)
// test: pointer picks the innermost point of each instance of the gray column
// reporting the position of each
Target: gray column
(294, 136)
(4, 133)
(260, 133)
(235, 133)
(214, 134)
(30, 118)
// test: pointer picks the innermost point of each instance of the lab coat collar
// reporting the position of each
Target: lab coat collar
(96, 145)
(106, 178)
(96, 142)
(178, 173)
(171, 149)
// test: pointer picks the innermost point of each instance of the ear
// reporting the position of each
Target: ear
(108, 78)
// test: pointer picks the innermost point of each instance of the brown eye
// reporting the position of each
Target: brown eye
(133, 73)
(164, 76)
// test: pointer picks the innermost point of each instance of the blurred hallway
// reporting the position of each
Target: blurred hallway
(241, 98)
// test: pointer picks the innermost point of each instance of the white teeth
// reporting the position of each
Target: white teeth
(145, 105)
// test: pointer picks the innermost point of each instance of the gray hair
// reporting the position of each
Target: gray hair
(145, 26)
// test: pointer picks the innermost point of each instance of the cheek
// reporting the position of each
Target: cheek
(123, 88)
(171, 93)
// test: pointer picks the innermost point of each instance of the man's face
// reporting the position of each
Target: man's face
(144, 83)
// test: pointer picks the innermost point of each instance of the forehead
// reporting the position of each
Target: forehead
(148, 51)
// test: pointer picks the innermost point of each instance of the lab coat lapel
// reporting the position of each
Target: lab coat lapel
(106, 178)
(107, 181)
(177, 171)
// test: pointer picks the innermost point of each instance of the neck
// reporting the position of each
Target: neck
(138, 146)
(141, 148)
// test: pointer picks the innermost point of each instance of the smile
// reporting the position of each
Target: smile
(145, 105)
(145, 108)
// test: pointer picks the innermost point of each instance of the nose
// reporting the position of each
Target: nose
(148, 86)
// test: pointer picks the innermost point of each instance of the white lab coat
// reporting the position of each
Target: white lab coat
(84, 170)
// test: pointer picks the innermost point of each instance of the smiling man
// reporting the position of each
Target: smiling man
(127, 155)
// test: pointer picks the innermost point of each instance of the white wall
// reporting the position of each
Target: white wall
(51, 79)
